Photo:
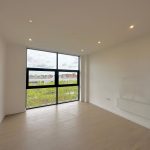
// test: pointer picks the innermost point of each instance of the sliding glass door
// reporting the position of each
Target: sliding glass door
(52, 78)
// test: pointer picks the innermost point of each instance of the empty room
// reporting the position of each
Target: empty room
(74, 75)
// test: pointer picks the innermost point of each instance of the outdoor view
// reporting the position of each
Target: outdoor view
(45, 94)
(67, 78)
(38, 78)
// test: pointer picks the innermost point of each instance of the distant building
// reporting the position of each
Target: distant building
(34, 79)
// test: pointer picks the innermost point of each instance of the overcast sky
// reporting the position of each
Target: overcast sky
(41, 59)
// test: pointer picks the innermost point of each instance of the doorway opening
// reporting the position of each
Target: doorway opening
(51, 78)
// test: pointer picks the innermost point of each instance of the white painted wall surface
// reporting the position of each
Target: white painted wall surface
(82, 81)
(119, 80)
(2, 70)
(84, 78)
(15, 79)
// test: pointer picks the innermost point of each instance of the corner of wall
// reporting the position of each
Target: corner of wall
(84, 78)
(15, 85)
(2, 78)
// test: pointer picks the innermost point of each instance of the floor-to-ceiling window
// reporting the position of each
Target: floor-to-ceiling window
(52, 78)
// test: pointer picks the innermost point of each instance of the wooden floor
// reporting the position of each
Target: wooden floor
(72, 126)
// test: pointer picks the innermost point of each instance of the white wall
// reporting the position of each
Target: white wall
(84, 78)
(2, 69)
(119, 80)
(15, 79)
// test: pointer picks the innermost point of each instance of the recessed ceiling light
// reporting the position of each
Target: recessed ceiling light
(99, 42)
(82, 50)
(30, 39)
(131, 26)
(30, 21)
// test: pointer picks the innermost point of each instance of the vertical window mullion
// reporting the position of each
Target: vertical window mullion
(27, 78)
(79, 78)
(56, 78)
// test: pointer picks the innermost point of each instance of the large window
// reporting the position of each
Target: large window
(52, 78)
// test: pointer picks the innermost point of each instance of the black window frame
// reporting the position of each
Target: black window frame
(56, 85)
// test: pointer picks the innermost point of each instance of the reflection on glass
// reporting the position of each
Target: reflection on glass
(41, 59)
(39, 78)
(66, 94)
(67, 77)
(41, 97)
(68, 62)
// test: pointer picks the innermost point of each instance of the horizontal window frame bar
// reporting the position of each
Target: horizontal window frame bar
(51, 104)
(66, 85)
(68, 101)
(46, 69)
(41, 106)
(44, 50)
(41, 86)
(51, 86)
(40, 69)
(65, 70)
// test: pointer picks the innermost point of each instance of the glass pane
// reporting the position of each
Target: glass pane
(41, 59)
(67, 77)
(68, 62)
(39, 78)
(41, 97)
(66, 94)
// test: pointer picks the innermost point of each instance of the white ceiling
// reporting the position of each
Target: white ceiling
(72, 25)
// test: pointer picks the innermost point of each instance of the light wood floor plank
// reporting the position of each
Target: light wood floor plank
(72, 126)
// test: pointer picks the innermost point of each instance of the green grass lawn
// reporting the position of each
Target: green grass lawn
(47, 96)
